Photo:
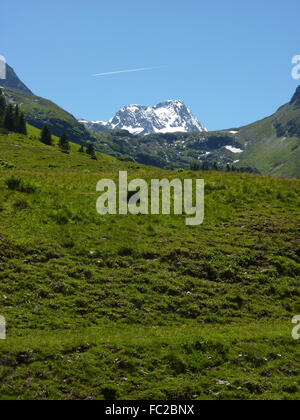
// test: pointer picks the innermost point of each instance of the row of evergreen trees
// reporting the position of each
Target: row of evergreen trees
(204, 166)
(11, 118)
(90, 150)
(46, 138)
(63, 143)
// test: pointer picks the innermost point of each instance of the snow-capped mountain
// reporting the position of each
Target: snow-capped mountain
(166, 117)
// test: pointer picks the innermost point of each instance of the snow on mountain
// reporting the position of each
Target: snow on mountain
(95, 125)
(234, 149)
(167, 117)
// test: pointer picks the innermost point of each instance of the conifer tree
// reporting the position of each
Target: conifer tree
(16, 118)
(81, 150)
(46, 137)
(195, 166)
(90, 149)
(215, 166)
(22, 128)
(2, 107)
(64, 143)
(9, 118)
(93, 156)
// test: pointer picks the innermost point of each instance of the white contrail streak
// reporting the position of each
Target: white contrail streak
(126, 71)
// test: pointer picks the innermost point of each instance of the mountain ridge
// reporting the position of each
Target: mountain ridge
(166, 117)
(296, 98)
(13, 81)
(270, 146)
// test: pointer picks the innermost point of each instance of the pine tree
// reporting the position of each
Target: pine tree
(81, 150)
(9, 118)
(64, 143)
(215, 166)
(22, 128)
(2, 107)
(16, 118)
(195, 166)
(91, 151)
(46, 137)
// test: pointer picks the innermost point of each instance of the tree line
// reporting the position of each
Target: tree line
(11, 118)
(205, 166)
(64, 144)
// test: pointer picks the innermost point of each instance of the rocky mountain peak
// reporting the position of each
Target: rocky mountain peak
(296, 98)
(12, 81)
(166, 117)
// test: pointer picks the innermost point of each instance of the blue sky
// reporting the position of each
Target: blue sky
(229, 61)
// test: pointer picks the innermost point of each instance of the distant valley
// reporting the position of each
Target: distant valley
(169, 136)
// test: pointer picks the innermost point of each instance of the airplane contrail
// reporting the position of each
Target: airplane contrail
(127, 71)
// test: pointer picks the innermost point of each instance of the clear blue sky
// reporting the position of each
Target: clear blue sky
(229, 61)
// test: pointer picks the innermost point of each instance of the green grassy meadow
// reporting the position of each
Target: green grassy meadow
(144, 307)
(271, 153)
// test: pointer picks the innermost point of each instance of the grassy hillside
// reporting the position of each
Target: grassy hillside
(268, 146)
(273, 144)
(110, 307)
(39, 111)
(171, 150)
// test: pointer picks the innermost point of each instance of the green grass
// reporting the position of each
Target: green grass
(109, 307)
(117, 361)
(39, 111)
(272, 154)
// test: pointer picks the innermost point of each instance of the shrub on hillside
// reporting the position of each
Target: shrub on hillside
(5, 165)
(62, 216)
(16, 183)
(21, 204)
